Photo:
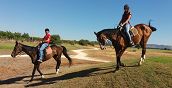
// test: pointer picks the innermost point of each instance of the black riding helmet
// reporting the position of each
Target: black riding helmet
(47, 29)
(126, 6)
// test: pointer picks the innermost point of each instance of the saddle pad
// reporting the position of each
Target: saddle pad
(48, 50)
(134, 31)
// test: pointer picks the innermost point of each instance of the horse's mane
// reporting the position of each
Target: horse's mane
(107, 31)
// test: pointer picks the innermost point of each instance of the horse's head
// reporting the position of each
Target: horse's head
(17, 49)
(102, 39)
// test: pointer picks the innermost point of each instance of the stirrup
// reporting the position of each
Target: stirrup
(39, 61)
(131, 43)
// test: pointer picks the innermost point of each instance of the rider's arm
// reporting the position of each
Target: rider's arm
(48, 39)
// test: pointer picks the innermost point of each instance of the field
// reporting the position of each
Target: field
(156, 71)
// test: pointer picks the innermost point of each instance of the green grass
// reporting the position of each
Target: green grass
(9, 45)
(152, 74)
(6, 47)
(161, 59)
(74, 47)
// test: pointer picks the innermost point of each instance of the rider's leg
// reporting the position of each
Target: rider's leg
(41, 51)
(127, 29)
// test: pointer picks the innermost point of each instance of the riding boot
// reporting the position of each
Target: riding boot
(129, 41)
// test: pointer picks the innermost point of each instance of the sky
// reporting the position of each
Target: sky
(78, 19)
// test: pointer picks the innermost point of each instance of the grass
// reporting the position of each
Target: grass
(76, 46)
(161, 59)
(156, 72)
(150, 75)
(9, 45)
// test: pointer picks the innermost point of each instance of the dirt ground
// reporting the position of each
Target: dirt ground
(16, 72)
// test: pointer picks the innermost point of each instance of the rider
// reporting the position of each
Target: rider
(126, 24)
(46, 41)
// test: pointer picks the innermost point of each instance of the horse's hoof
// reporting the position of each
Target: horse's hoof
(42, 76)
(122, 64)
(117, 68)
(57, 73)
(140, 63)
(29, 81)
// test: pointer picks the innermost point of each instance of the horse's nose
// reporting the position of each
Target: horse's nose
(12, 55)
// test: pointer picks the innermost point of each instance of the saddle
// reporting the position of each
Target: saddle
(47, 50)
(133, 31)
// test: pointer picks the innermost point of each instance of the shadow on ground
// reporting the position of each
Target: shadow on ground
(82, 73)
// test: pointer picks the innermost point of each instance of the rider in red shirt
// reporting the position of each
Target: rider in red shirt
(47, 37)
(46, 41)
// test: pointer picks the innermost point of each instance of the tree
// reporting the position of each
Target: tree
(25, 35)
(55, 39)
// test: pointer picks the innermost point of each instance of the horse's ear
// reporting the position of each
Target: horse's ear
(16, 42)
(95, 33)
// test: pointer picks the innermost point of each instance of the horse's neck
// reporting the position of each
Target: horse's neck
(31, 51)
(114, 37)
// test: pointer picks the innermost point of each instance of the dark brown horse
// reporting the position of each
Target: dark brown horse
(33, 53)
(120, 44)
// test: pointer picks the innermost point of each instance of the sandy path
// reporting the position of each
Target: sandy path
(80, 54)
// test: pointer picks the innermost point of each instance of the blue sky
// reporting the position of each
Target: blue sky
(78, 19)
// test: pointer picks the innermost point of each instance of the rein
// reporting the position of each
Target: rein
(21, 53)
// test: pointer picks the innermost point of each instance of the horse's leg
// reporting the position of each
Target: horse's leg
(120, 54)
(58, 65)
(33, 72)
(42, 76)
(58, 60)
(118, 57)
(143, 45)
(117, 62)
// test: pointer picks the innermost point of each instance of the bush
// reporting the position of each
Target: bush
(84, 42)
(55, 39)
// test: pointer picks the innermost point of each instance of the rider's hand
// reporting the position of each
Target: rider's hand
(118, 26)
(121, 25)
(40, 41)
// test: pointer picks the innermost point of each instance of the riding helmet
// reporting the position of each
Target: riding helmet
(47, 29)
(126, 6)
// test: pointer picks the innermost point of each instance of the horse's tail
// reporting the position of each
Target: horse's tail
(66, 55)
(151, 27)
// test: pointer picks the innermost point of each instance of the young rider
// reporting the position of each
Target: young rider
(46, 41)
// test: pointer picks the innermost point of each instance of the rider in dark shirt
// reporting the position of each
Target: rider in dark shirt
(126, 24)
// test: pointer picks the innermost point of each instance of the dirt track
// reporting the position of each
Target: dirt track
(15, 72)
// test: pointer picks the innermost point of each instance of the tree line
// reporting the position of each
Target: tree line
(55, 39)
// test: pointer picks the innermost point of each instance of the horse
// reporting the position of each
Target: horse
(120, 44)
(33, 54)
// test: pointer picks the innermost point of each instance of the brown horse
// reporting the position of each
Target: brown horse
(120, 43)
(33, 53)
